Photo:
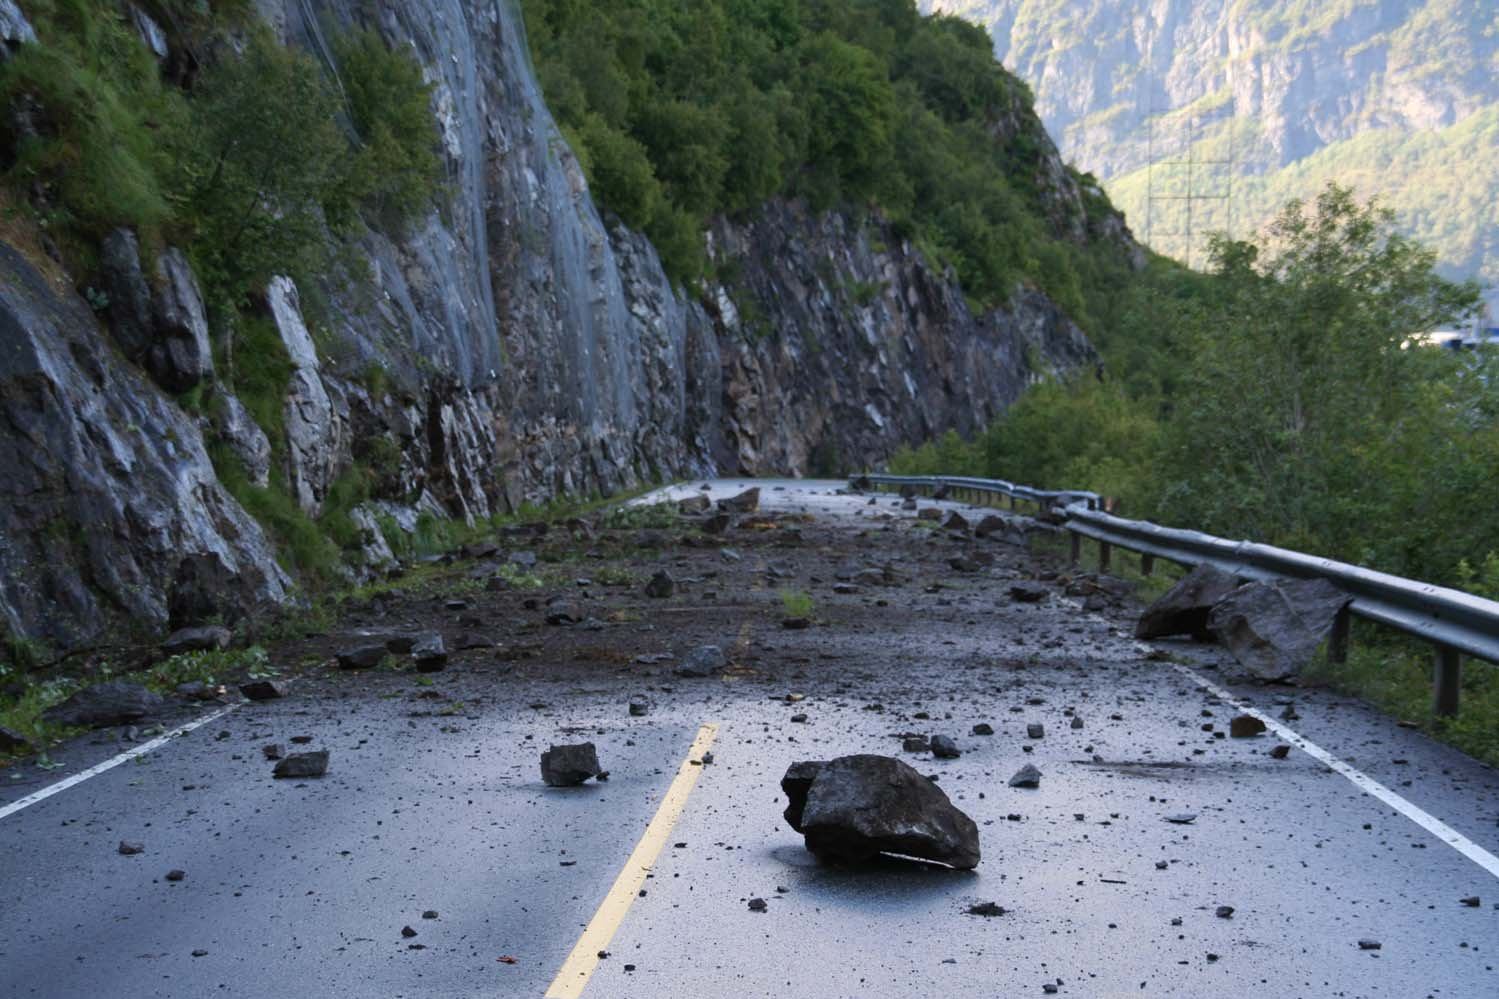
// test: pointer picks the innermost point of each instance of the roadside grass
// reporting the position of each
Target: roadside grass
(1395, 676)
(210, 667)
(23, 714)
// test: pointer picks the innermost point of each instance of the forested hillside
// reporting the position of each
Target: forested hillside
(1397, 98)
(685, 109)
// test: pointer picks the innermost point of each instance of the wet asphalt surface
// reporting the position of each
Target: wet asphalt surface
(433, 802)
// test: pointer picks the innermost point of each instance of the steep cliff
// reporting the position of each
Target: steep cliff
(1398, 97)
(510, 346)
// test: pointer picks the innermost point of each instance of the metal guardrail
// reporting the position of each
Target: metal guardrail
(1455, 623)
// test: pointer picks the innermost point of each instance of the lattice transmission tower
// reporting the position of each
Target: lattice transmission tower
(1188, 191)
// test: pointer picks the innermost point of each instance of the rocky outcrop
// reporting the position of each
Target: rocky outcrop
(110, 512)
(841, 342)
(511, 346)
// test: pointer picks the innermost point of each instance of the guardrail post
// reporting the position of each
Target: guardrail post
(1446, 681)
(1104, 551)
(1077, 547)
(1147, 564)
(1337, 644)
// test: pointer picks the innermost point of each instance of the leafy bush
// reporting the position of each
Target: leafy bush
(1277, 398)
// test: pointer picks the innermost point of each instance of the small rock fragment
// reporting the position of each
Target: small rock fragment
(175, 875)
(703, 661)
(916, 744)
(1028, 593)
(1224, 912)
(569, 766)
(313, 764)
(208, 638)
(429, 654)
(361, 657)
(1472, 901)
(1280, 752)
(1183, 819)
(1245, 727)
(661, 585)
(263, 690)
(1367, 944)
(757, 905)
(944, 748)
(130, 849)
(272, 751)
(983, 728)
(1026, 776)
(430, 914)
(986, 909)
(407, 932)
(1035, 730)
(639, 706)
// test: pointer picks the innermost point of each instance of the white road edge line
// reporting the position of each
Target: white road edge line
(110, 764)
(1361, 780)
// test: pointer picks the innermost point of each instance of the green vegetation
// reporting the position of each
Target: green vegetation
(1395, 676)
(797, 603)
(210, 667)
(253, 169)
(260, 166)
(1275, 398)
(683, 109)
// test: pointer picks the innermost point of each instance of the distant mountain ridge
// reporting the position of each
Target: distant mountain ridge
(1270, 98)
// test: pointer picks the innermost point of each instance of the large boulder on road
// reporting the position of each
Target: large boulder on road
(1184, 609)
(855, 807)
(1274, 629)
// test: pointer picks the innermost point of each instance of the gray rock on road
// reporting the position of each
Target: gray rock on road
(746, 502)
(115, 703)
(264, 690)
(1185, 608)
(1274, 629)
(703, 661)
(1026, 776)
(854, 808)
(296, 765)
(569, 766)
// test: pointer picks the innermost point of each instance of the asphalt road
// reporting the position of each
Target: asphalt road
(433, 803)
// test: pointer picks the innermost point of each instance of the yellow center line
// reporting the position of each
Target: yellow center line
(584, 959)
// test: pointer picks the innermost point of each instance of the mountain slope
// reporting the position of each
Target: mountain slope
(1397, 96)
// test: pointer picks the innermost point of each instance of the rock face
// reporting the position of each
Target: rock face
(508, 347)
(109, 508)
(856, 807)
(1184, 609)
(1274, 629)
(852, 330)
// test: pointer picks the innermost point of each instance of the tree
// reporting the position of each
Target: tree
(1303, 415)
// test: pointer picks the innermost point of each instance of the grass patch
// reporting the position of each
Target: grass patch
(210, 667)
(797, 603)
(23, 715)
(1395, 676)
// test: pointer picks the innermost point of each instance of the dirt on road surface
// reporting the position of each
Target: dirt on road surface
(1158, 855)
